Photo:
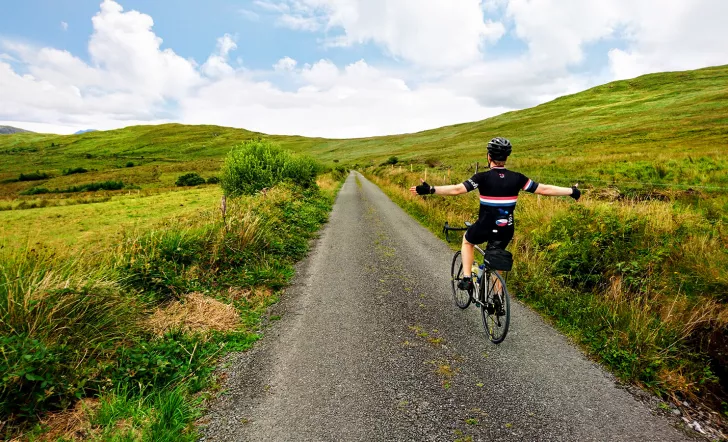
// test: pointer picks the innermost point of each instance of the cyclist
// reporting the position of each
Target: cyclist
(499, 190)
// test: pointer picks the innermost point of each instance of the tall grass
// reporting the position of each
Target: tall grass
(58, 318)
(642, 284)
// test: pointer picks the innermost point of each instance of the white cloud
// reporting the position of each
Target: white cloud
(684, 35)
(217, 65)
(358, 100)
(129, 78)
(299, 22)
(430, 33)
(272, 6)
(556, 30)
(677, 34)
(322, 75)
(128, 53)
(285, 64)
(64, 26)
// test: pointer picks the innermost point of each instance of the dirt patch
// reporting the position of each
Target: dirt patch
(195, 313)
(256, 297)
(73, 424)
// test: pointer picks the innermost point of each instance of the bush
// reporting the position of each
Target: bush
(339, 172)
(35, 191)
(33, 176)
(213, 180)
(129, 164)
(74, 171)
(90, 187)
(259, 164)
(189, 179)
(587, 247)
(392, 160)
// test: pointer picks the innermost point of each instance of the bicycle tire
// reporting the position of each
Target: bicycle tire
(461, 297)
(495, 324)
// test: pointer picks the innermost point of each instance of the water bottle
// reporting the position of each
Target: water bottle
(480, 271)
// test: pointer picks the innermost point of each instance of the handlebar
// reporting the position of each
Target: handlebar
(446, 229)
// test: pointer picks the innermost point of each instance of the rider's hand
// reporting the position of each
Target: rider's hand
(575, 192)
(424, 188)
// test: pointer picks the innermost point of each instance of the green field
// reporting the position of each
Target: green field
(89, 225)
(638, 274)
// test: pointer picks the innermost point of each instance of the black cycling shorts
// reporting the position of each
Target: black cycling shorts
(496, 238)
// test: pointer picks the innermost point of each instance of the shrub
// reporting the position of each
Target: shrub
(392, 160)
(35, 191)
(339, 172)
(259, 164)
(189, 179)
(33, 176)
(90, 187)
(129, 164)
(93, 187)
(588, 247)
(74, 171)
(213, 180)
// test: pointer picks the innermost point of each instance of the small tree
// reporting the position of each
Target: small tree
(258, 164)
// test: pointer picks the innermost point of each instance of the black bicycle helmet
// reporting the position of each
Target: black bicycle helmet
(499, 148)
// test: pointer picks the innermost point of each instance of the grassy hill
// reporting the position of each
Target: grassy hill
(669, 128)
(5, 130)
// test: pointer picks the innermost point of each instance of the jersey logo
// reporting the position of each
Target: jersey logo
(502, 175)
(473, 183)
(501, 222)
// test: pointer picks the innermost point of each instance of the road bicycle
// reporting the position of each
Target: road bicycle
(489, 292)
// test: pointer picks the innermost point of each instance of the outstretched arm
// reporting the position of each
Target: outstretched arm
(451, 190)
(546, 189)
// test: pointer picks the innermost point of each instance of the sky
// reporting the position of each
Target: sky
(332, 68)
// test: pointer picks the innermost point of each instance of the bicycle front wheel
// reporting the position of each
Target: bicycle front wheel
(496, 306)
(461, 297)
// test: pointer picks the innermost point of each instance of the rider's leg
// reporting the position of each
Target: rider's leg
(468, 251)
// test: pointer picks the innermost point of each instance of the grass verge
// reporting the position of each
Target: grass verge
(127, 328)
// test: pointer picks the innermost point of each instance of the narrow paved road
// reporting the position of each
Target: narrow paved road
(371, 348)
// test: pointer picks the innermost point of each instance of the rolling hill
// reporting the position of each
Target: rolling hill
(8, 130)
(669, 128)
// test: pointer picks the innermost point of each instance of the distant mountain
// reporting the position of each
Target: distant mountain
(7, 130)
(84, 131)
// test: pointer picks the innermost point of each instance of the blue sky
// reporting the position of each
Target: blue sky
(189, 27)
(334, 68)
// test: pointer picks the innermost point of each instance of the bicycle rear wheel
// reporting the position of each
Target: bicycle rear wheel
(461, 297)
(496, 306)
